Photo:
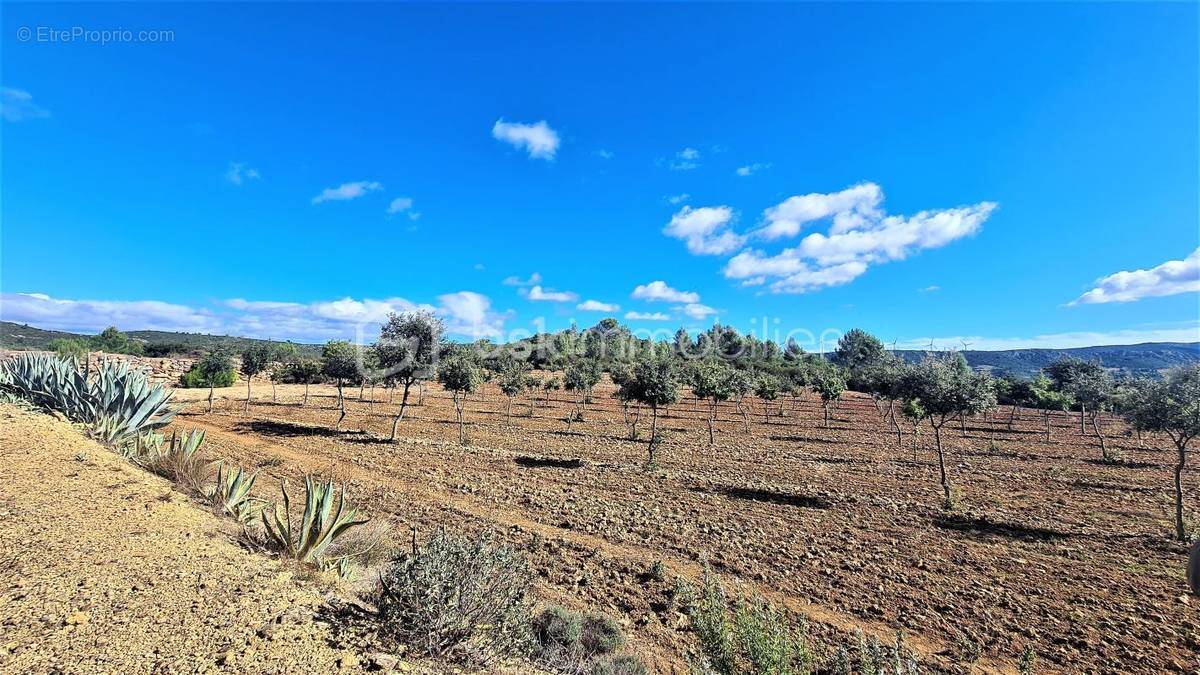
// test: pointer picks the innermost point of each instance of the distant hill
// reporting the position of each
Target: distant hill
(21, 336)
(1146, 358)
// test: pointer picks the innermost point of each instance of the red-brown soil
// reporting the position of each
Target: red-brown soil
(1048, 547)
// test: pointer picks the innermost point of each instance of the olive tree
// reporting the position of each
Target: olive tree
(339, 362)
(282, 356)
(655, 385)
(1068, 375)
(255, 359)
(829, 382)
(461, 375)
(512, 378)
(1171, 406)
(580, 377)
(767, 388)
(944, 387)
(712, 381)
(212, 366)
(305, 371)
(1094, 389)
(407, 350)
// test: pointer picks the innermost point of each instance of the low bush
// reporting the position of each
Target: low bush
(195, 378)
(459, 598)
(179, 460)
(576, 644)
(746, 636)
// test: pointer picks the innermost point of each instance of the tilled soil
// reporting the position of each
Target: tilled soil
(1048, 547)
(107, 569)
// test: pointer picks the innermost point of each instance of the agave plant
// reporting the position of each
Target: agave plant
(126, 404)
(317, 527)
(118, 406)
(180, 460)
(232, 494)
(48, 382)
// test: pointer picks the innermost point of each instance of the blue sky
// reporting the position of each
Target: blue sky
(920, 171)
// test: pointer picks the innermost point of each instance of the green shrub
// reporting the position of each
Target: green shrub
(195, 378)
(556, 631)
(567, 642)
(600, 635)
(748, 636)
(458, 598)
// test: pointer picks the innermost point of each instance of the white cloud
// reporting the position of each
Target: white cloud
(16, 105)
(684, 160)
(239, 174)
(539, 140)
(1190, 332)
(604, 154)
(751, 169)
(1170, 278)
(930, 289)
(696, 310)
(705, 230)
(860, 234)
(470, 314)
(786, 218)
(647, 316)
(347, 191)
(597, 306)
(92, 316)
(534, 278)
(897, 237)
(400, 205)
(679, 198)
(466, 313)
(659, 290)
(537, 293)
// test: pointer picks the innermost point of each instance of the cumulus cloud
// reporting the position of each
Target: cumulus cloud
(659, 290)
(597, 306)
(850, 205)
(705, 229)
(539, 140)
(534, 278)
(16, 105)
(679, 198)
(347, 191)
(400, 205)
(1170, 278)
(751, 169)
(860, 234)
(466, 313)
(470, 314)
(539, 294)
(238, 174)
(696, 310)
(647, 316)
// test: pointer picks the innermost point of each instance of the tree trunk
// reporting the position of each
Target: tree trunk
(712, 420)
(400, 415)
(508, 412)
(341, 406)
(372, 399)
(210, 396)
(274, 398)
(459, 403)
(962, 424)
(1012, 414)
(653, 434)
(1100, 435)
(1047, 426)
(1082, 410)
(305, 401)
(745, 415)
(895, 424)
(766, 411)
(937, 434)
(1180, 533)
(826, 406)
(246, 409)
(361, 385)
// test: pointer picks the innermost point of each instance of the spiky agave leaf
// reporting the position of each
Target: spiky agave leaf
(319, 526)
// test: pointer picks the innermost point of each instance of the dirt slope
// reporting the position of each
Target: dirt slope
(107, 569)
